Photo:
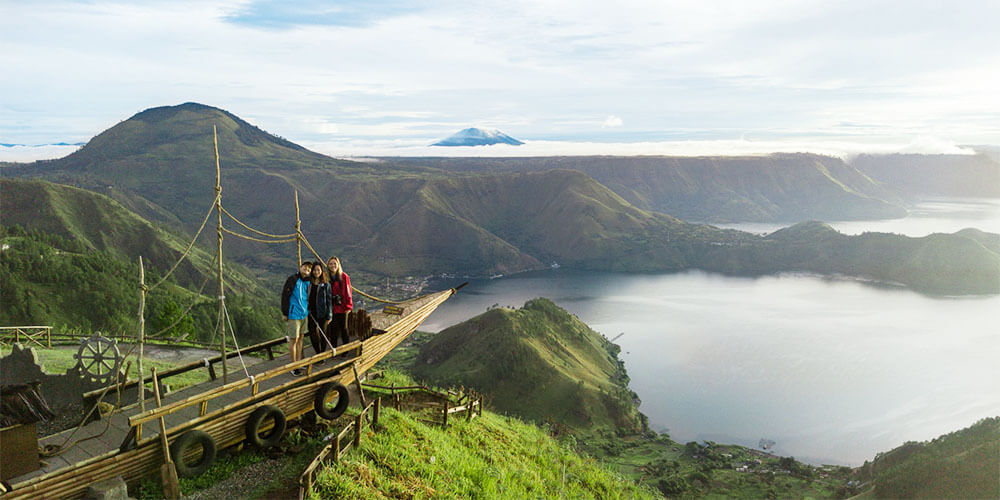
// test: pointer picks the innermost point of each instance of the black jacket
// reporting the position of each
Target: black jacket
(320, 303)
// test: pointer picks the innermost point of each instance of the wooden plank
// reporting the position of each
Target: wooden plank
(239, 384)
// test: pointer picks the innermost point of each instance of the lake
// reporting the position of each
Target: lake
(833, 371)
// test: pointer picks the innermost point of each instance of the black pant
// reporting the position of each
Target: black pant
(315, 330)
(338, 329)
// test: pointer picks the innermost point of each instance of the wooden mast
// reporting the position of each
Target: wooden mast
(222, 286)
(142, 334)
(298, 230)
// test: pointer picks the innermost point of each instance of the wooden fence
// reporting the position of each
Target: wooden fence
(337, 448)
(38, 335)
(470, 403)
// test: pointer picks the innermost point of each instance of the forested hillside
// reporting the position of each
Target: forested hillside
(51, 280)
(962, 464)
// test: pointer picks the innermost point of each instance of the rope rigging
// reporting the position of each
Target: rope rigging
(262, 233)
(190, 246)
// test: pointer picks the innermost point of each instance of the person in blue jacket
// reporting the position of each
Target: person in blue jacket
(295, 309)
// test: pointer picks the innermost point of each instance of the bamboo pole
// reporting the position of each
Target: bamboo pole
(142, 334)
(168, 471)
(357, 379)
(298, 229)
(222, 286)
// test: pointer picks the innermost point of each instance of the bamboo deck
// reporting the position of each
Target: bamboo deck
(127, 443)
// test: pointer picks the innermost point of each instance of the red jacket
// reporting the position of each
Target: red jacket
(343, 289)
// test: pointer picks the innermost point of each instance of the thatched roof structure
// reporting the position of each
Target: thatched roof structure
(22, 404)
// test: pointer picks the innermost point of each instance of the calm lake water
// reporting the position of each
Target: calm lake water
(833, 371)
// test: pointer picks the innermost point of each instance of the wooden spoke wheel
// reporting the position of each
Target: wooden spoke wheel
(98, 358)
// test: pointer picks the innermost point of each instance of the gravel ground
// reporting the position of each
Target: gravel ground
(242, 480)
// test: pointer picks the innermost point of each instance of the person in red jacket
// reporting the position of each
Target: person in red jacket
(340, 290)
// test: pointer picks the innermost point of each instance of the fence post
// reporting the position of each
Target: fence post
(444, 421)
(336, 448)
(357, 429)
(48, 336)
(378, 410)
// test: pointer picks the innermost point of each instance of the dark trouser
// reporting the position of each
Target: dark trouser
(316, 336)
(338, 329)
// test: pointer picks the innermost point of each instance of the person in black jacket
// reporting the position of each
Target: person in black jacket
(320, 310)
(295, 310)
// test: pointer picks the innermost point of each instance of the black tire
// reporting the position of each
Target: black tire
(323, 393)
(256, 421)
(186, 443)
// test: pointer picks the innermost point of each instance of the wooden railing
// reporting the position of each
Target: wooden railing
(34, 334)
(89, 398)
(467, 401)
(337, 448)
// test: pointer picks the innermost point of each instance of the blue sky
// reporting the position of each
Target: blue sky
(568, 77)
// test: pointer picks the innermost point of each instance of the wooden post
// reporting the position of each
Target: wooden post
(142, 334)
(168, 471)
(298, 229)
(336, 448)
(444, 421)
(222, 287)
(378, 410)
(48, 336)
(358, 421)
(357, 380)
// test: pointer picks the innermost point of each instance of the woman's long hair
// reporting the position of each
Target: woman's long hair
(323, 278)
(340, 268)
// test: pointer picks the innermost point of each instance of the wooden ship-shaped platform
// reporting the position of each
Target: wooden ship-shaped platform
(186, 427)
(130, 443)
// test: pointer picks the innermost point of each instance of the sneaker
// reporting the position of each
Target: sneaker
(298, 372)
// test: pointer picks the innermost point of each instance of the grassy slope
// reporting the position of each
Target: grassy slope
(490, 457)
(962, 464)
(101, 223)
(56, 361)
(538, 362)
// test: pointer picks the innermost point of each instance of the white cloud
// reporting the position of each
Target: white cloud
(612, 121)
(549, 67)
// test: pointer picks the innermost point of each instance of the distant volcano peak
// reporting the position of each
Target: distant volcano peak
(478, 137)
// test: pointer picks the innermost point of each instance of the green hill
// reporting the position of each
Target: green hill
(538, 362)
(964, 262)
(962, 464)
(70, 259)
